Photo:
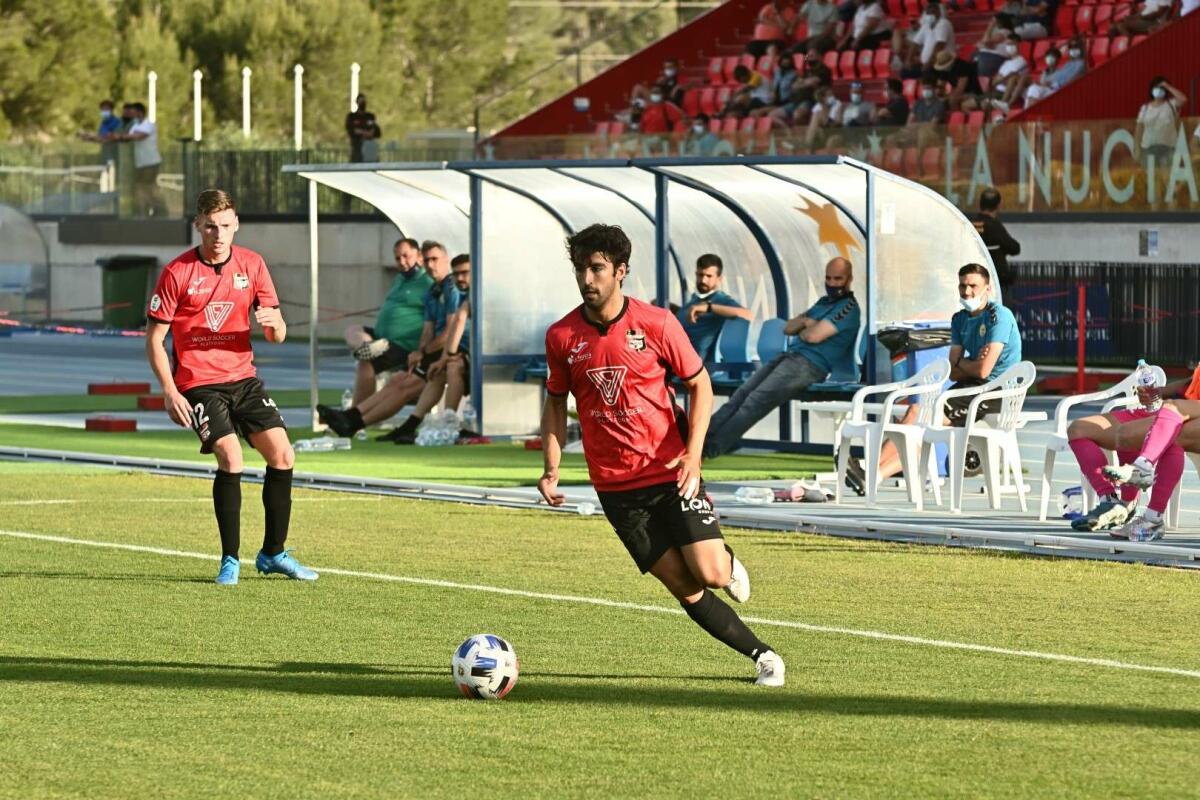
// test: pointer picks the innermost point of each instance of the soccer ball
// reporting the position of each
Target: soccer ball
(485, 667)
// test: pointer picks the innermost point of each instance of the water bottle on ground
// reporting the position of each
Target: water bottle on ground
(347, 399)
(585, 509)
(470, 420)
(321, 444)
(1070, 503)
(754, 495)
(1149, 391)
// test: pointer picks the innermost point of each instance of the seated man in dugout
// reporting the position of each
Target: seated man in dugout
(441, 301)
(984, 344)
(387, 344)
(823, 337)
(704, 314)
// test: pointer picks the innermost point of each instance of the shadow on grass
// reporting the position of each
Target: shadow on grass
(430, 682)
(86, 576)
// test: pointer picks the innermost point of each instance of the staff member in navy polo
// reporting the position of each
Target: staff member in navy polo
(824, 336)
(984, 344)
(706, 310)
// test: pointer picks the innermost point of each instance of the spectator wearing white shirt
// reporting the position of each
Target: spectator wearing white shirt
(1158, 122)
(146, 161)
(916, 49)
(1150, 18)
(1009, 78)
(826, 113)
(871, 28)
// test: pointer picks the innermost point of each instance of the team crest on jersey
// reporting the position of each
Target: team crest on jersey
(608, 380)
(636, 340)
(240, 281)
(216, 314)
(982, 329)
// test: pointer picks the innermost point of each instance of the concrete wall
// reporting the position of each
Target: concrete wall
(1178, 243)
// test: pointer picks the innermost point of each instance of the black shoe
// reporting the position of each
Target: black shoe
(856, 477)
(323, 411)
(336, 420)
(391, 435)
(405, 438)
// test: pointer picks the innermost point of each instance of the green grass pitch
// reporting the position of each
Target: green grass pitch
(129, 674)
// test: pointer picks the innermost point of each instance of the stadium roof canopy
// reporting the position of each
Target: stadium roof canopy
(774, 221)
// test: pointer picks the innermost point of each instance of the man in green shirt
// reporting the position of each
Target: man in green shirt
(397, 330)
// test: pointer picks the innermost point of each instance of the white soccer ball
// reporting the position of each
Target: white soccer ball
(485, 667)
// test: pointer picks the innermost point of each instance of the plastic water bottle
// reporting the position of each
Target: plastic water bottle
(321, 444)
(469, 417)
(754, 495)
(347, 399)
(1148, 390)
(1070, 503)
(585, 509)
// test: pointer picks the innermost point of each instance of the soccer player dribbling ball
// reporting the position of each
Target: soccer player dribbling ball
(205, 298)
(616, 355)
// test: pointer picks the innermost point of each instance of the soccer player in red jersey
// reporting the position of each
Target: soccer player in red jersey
(205, 299)
(617, 356)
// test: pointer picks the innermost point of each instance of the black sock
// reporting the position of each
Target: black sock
(227, 503)
(410, 424)
(277, 503)
(354, 417)
(724, 625)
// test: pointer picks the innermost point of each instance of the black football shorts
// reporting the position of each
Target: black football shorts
(653, 519)
(241, 407)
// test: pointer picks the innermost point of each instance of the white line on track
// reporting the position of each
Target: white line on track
(598, 601)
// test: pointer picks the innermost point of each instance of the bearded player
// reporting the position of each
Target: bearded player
(617, 356)
(205, 298)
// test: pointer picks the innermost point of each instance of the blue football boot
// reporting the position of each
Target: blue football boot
(284, 564)
(230, 568)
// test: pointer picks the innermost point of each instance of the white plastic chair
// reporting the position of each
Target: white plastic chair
(922, 388)
(1120, 395)
(996, 444)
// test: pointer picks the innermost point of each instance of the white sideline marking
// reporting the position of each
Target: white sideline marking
(598, 601)
(337, 496)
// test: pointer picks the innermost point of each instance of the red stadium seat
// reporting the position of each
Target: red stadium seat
(602, 129)
(893, 160)
(974, 126)
(723, 95)
(831, 61)
(912, 8)
(912, 162)
(1103, 18)
(1084, 19)
(1064, 20)
(728, 67)
(1026, 49)
(1099, 51)
(864, 66)
(691, 102)
(883, 63)
(957, 125)
(846, 64)
(910, 89)
(895, 8)
(714, 125)
(763, 126)
(748, 61)
(729, 126)
(1122, 11)
(1136, 40)
(747, 125)
(931, 163)
(616, 128)
(798, 61)
(716, 71)
(1040, 48)
(1119, 45)
(708, 101)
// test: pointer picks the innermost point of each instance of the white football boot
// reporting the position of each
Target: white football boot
(738, 587)
(770, 669)
(1134, 474)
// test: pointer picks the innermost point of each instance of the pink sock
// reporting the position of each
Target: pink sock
(1129, 492)
(1091, 460)
(1162, 433)
(1167, 474)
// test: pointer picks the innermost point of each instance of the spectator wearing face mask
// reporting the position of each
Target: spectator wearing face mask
(826, 113)
(926, 114)
(990, 52)
(895, 111)
(1158, 122)
(1057, 75)
(110, 126)
(801, 95)
(961, 76)
(700, 141)
(1013, 74)
(668, 81)
(659, 115)
(915, 50)
(858, 111)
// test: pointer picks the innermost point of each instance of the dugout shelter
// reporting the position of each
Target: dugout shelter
(774, 221)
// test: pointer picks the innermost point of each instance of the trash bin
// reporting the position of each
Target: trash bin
(913, 348)
(124, 283)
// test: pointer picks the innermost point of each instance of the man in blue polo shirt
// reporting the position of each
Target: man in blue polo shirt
(984, 344)
(706, 310)
(823, 337)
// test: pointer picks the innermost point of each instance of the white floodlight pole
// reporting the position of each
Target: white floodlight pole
(151, 94)
(246, 72)
(354, 70)
(197, 77)
(299, 134)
